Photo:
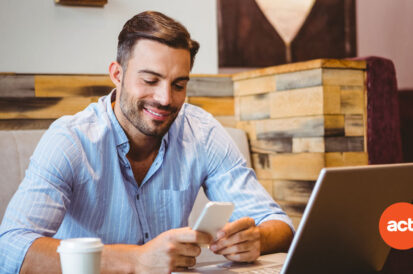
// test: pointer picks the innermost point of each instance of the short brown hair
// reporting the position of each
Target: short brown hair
(154, 26)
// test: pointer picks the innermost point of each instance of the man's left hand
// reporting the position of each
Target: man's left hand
(238, 241)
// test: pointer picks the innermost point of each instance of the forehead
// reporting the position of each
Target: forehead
(153, 55)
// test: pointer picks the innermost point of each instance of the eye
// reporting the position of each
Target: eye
(180, 85)
(150, 81)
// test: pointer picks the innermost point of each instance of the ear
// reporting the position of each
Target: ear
(116, 74)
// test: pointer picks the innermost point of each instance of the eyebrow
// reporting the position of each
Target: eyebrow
(182, 78)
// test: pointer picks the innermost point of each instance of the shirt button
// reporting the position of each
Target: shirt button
(146, 235)
(137, 196)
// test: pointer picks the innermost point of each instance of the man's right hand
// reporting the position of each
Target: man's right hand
(173, 250)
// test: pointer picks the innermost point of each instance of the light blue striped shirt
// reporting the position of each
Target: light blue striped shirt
(80, 184)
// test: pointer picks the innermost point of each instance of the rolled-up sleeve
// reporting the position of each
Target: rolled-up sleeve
(39, 205)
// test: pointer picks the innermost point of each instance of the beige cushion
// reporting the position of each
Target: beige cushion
(16, 147)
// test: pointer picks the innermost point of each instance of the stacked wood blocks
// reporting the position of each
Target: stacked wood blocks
(30, 101)
(301, 118)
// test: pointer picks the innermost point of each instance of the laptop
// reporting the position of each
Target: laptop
(339, 230)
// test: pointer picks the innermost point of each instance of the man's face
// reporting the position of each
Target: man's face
(154, 86)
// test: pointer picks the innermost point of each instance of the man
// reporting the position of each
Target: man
(127, 169)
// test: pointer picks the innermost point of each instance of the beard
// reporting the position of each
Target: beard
(133, 110)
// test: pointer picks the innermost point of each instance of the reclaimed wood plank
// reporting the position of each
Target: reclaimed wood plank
(202, 86)
(217, 106)
(227, 120)
(288, 166)
(344, 144)
(299, 79)
(319, 77)
(253, 107)
(249, 128)
(261, 165)
(279, 145)
(12, 85)
(292, 190)
(299, 66)
(354, 125)
(292, 208)
(297, 166)
(72, 85)
(343, 77)
(313, 126)
(42, 108)
(352, 100)
(338, 159)
(317, 100)
(22, 124)
(254, 86)
(308, 144)
(328, 144)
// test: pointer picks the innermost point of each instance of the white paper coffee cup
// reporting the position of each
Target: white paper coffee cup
(80, 255)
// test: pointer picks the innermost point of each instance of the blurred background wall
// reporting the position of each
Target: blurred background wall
(42, 37)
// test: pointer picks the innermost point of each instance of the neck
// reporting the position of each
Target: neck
(142, 146)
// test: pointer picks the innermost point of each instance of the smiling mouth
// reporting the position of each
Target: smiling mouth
(157, 115)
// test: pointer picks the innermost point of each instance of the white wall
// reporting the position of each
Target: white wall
(37, 36)
(385, 28)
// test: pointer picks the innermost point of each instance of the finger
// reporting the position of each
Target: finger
(187, 235)
(185, 249)
(249, 235)
(246, 257)
(236, 226)
(184, 261)
(238, 248)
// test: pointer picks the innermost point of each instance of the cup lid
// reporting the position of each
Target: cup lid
(80, 245)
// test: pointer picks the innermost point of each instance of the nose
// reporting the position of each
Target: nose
(163, 94)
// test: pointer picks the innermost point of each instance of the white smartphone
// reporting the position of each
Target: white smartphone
(213, 217)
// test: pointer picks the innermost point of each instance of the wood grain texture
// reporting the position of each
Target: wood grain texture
(227, 121)
(313, 126)
(72, 85)
(249, 128)
(297, 166)
(217, 106)
(279, 145)
(299, 79)
(295, 209)
(338, 159)
(354, 125)
(254, 85)
(328, 144)
(344, 144)
(293, 191)
(299, 66)
(253, 107)
(262, 166)
(319, 77)
(308, 144)
(343, 77)
(310, 101)
(352, 100)
(16, 85)
(288, 166)
(202, 86)
(22, 124)
(42, 108)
